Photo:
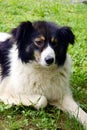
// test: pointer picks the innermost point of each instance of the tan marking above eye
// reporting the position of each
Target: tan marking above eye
(42, 38)
(53, 40)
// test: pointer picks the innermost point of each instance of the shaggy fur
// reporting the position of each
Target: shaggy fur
(35, 67)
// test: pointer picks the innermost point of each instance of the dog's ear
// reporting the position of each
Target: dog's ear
(23, 37)
(22, 32)
(65, 35)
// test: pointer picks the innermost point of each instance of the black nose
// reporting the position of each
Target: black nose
(49, 60)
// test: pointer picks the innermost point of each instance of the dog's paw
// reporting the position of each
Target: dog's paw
(6, 99)
(41, 102)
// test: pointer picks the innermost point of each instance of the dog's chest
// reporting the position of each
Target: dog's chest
(48, 83)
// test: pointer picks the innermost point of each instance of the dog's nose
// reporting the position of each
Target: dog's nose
(49, 60)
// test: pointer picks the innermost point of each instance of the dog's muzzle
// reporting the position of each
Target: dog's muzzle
(47, 57)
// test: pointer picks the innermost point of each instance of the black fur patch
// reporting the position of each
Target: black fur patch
(64, 36)
(24, 34)
(4, 58)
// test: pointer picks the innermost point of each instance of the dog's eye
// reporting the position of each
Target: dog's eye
(39, 43)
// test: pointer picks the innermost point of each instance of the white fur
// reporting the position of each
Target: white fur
(4, 36)
(33, 84)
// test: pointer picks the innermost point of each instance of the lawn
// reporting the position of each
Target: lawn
(12, 12)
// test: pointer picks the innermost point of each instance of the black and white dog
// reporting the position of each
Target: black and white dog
(35, 67)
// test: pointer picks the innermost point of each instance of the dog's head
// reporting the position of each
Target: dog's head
(42, 42)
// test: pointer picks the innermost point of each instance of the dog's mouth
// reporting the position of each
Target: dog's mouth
(47, 62)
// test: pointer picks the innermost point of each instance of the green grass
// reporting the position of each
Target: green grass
(12, 12)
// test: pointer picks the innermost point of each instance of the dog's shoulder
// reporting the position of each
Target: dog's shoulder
(66, 68)
(4, 36)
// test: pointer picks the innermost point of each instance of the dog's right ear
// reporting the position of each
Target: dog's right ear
(22, 32)
(23, 37)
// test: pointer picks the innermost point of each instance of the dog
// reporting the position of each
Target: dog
(35, 67)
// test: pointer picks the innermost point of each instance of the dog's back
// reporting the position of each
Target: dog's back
(4, 36)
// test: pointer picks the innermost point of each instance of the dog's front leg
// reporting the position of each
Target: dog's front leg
(70, 106)
(37, 101)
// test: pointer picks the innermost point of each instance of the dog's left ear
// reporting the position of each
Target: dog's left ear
(65, 35)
